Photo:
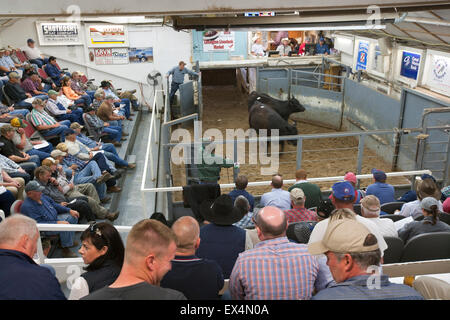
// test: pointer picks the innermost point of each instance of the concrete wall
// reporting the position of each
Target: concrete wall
(169, 47)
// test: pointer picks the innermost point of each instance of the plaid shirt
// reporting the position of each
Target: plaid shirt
(300, 214)
(274, 269)
(8, 165)
(39, 118)
(70, 160)
(245, 222)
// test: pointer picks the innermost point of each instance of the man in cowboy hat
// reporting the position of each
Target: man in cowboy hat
(424, 188)
(221, 241)
(284, 48)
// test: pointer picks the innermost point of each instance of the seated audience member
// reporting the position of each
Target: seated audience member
(196, 278)
(21, 278)
(6, 197)
(13, 169)
(298, 211)
(44, 210)
(85, 171)
(370, 209)
(382, 190)
(43, 175)
(351, 177)
(343, 197)
(432, 288)
(53, 71)
(79, 88)
(351, 249)
(241, 183)
(107, 88)
(33, 54)
(149, 250)
(25, 144)
(430, 222)
(108, 149)
(99, 96)
(277, 197)
(99, 126)
(322, 47)
(284, 48)
(312, 191)
(45, 123)
(9, 149)
(66, 102)
(8, 113)
(82, 152)
(301, 48)
(106, 112)
(85, 100)
(60, 112)
(445, 192)
(102, 251)
(424, 188)
(33, 86)
(411, 195)
(15, 92)
(260, 273)
(7, 64)
(242, 203)
(221, 241)
(15, 185)
(86, 190)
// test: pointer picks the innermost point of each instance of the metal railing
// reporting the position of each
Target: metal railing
(317, 79)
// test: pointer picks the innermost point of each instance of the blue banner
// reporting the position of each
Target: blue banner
(410, 65)
(363, 52)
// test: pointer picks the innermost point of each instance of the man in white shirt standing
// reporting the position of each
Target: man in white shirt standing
(34, 55)
(277, 197)
(370, 209)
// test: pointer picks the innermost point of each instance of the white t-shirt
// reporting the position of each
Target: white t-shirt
(414, 210)
(257, 49)
(386, 227)
(32, 53)
(320, 229)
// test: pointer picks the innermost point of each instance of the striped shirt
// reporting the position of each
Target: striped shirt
(275, 269)
(39, 118)
(246, 221)
(356, 288)
(300, 214)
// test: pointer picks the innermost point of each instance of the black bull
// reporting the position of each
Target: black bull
(264, 117)
(283, 108)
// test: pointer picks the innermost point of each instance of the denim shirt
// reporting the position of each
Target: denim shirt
(86, 141)
(178, 75)
(47, 212)
(356, 288)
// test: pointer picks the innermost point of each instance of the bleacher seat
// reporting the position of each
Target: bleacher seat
(427, 246)
(15, 207)
(394, 252)
(357, 209)
(6, 98)
(22, 56)
(393, 217)
(390, 207)
(43, 74)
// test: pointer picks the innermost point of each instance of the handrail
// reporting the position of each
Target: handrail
(292, 181)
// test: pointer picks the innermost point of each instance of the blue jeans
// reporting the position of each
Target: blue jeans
(18, 174)
(41, 96)
(6, 201)
(66, 237)
(173, 89)
(30, 165)
(39, 62)
(90, 93)
(89, 174)
(23, 105)
(86, 100)
(65, 124)
(23, 112)
(114, 132)
(115, 123)
(111, 154)
(75, 116)
(126, 108)
(100, 159)
(39, 153)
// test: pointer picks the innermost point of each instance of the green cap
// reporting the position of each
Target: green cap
(52, 92)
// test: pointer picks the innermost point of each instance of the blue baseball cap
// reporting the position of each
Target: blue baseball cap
(427, 176)
(343, 191)
(321, 39)
(30, 40)
(379, 175)
(69, 131)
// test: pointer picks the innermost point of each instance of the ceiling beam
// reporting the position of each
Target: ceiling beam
(430, 33)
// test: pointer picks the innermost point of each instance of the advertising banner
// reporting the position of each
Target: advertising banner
(107, 36)
(140, 55)
(218, 41)
(103, 56)
(363, 52)
(439, 73)
(410, 65)
(61, 33)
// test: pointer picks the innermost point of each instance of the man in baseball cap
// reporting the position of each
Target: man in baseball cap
(382, 190)
(353, 255)
(299, 212)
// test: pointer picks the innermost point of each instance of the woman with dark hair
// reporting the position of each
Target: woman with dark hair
(430, 222)
(102, 250)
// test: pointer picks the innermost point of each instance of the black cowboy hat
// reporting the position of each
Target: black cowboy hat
(221, 211)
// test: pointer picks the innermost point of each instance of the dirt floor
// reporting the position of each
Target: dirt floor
(225, 107)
